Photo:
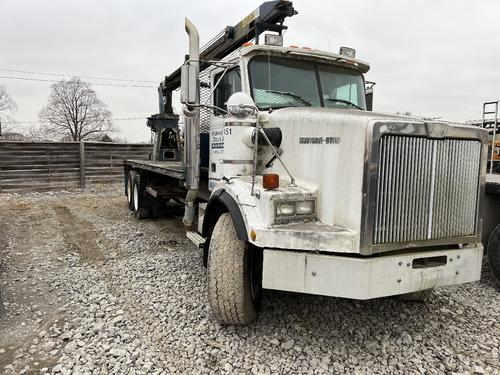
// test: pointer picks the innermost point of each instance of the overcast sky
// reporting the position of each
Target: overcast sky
(430, 57)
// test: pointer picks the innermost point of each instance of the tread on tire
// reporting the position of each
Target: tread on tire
(230, 276)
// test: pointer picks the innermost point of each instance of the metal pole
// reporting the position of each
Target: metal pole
(255, 155)
(493, 144)
(82, 165)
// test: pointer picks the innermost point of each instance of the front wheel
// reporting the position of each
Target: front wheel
(233, 275)
(494, 252)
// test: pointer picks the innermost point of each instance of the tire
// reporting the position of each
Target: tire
(130, 189)
(233, 284)
(494, 252)
(140, 207)
(420, 296)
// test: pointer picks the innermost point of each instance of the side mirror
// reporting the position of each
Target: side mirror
(369, 95)
(190, 84)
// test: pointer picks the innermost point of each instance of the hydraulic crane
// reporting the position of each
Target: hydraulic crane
(267, 17)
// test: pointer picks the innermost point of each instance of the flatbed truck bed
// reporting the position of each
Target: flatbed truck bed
(174, 169)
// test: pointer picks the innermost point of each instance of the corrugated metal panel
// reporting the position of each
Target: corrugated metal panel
(427, 188)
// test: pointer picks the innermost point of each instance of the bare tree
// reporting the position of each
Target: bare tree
(38, 133)
(74, 111)
(7, 107)
(6, 102)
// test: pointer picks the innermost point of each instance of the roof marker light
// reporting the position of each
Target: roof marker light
(274, 40)
(348, 52)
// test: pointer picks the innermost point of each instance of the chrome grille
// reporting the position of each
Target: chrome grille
(426, 189)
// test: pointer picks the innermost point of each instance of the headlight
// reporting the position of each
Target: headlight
(304, 208)
(295, 208)
(285, 208)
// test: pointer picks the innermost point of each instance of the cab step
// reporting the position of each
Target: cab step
(196, 238)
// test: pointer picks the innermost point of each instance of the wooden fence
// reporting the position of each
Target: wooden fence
(26, 166)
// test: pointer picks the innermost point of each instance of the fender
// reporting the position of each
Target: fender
(221, 202)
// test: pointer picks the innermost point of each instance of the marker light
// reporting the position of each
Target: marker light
(271, 181)
(247, 44)
(348, 52)
(274, 40)
(253, 235)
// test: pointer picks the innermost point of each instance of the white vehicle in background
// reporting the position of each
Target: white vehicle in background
(298, 185)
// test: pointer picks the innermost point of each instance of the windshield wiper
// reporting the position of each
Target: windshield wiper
(290, 94)
(343, 101)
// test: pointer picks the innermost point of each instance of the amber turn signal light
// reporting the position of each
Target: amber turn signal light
(271, 181)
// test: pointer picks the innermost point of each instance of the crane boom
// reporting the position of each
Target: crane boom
(268, 16)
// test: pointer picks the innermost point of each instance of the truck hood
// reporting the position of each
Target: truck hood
(327, 150)
(324, 149)
(337, 114)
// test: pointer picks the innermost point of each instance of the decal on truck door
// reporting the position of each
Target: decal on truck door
(217, 141)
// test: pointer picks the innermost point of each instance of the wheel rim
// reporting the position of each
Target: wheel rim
(136, 198)
(129, 191)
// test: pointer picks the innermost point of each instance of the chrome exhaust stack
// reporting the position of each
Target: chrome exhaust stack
(190, 97)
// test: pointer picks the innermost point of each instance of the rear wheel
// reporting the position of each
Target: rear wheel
(130, 190)
(233, 275)
(141, 209)
(494, 252)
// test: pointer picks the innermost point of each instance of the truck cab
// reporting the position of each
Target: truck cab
(299, 186)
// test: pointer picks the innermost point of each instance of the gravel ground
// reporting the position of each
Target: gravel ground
(87, 289)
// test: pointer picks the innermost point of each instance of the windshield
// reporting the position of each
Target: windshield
(278, 82)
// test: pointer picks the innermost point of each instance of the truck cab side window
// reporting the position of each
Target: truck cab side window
(230, 83)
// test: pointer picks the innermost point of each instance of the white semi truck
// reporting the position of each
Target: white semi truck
(297, 185)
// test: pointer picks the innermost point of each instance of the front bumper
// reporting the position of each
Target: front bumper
(365, 278)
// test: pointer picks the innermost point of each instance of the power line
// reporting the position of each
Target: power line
(92, 83)
(39, 122)
(129, 118)
(76, 75)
